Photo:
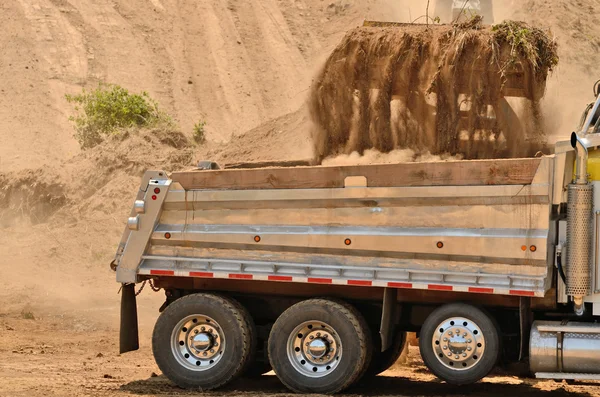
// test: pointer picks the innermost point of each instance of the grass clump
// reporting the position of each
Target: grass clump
(110, 108)
(199, 132)
(27, 314)
(532, 44)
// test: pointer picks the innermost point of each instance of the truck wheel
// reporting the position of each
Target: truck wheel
(459, 343)
(382, 361)
(319, 346)
(203, 341)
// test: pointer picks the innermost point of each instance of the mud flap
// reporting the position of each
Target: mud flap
(525, 322)
(128, 338)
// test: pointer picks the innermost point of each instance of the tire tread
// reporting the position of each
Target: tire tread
(244, 322)
(357, 321)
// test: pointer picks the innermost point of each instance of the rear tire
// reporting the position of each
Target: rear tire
(459, 343)
(319, 346)
(203, 341)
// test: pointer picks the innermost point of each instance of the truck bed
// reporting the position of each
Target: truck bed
(470, 226)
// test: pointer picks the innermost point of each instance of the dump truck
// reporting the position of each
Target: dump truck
(318, 272)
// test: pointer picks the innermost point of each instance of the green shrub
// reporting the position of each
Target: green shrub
(27, 314)
(110, 108)
(199, 136)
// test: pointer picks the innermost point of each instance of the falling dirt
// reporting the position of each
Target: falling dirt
(437, 88)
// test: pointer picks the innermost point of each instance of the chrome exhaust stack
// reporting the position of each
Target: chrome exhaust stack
(579, 230)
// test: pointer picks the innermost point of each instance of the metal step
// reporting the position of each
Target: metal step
(580, 328)
(566, 376)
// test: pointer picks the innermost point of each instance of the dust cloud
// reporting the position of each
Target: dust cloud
(372, 156)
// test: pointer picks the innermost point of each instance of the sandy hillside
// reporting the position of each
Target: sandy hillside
(64, 208)
(234, 64)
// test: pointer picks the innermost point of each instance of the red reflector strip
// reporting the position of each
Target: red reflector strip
(202, 274)
(320, 280)
(399, 285)
(521, 293)
(162, 272)
(240, 276)
(365, 283)
(479, 290)
(280, 278)
(436, 287)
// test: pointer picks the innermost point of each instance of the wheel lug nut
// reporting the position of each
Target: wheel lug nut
(445, 347)
(465, 334)
(469, 349)
(205, 353)
(307, 344)
(464, 354)
(202, 328)
(195, 331)
(449, 354)
(318, 334)
(450, 333)
(457, 357)
(468, 340)
(216, 344)
(445, 339)
(212, 350)
(311, 337)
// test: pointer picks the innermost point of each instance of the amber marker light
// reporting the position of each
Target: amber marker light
(440, 244)
(533, 248)
(167, 235)
(257, 239)
(347, 241)
(523, 248)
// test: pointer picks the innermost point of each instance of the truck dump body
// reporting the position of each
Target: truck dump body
(470, 226)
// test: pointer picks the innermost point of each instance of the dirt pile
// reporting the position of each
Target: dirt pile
(30, 194)
(98, 181)
(440, 88)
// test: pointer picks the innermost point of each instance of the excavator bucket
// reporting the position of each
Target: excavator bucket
(434, 88)
(448, 12)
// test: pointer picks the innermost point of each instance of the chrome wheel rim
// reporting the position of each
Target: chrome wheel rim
(198, 342)
(458, 343)
(314, 349)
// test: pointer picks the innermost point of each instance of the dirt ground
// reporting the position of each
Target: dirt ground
(65, 356)
(243, 66)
